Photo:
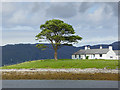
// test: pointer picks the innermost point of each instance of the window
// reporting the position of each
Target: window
(93, 55)
(111, 56)
(100, 55)
(75, 56)
(79, 57)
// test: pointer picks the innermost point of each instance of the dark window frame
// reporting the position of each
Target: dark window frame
(75, 56)
(111, 56)
(100, 55)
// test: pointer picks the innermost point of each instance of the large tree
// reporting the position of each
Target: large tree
(58, 33)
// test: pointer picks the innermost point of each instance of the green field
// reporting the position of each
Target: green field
(65, 63)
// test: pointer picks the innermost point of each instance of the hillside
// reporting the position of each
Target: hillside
(13, 54)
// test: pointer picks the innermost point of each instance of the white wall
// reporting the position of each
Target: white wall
(111, 53)
(91, 56)
(104, 56)
(77, 57)
(83, 56)
(117, 57)
(73, 56)
(96, 56)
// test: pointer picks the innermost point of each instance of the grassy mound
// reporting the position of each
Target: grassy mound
(66, 63)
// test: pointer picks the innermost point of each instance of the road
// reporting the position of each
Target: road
(58, 84)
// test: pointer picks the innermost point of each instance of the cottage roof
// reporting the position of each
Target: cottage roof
(117, 52)
(92, 51)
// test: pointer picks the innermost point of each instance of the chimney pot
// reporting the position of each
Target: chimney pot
(100, 47)
(86, 48)
(110, 47)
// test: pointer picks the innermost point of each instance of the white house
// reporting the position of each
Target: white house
(101, 53)
(117, 52)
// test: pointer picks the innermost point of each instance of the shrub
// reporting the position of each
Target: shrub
(87, 57)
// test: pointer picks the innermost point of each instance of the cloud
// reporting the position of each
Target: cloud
(101, 39)
(19, 36)
(84, 0)
(97, 40)
(26, 14)
(38, 7)
(89, 19)
(62, 10)
(37, 13)
(85, 6)
(20, 28)
(8, 8)
(109, 7)
(18, 17)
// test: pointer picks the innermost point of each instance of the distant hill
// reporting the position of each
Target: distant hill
(12, 54)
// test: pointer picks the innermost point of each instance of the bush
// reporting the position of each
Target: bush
(87, 57)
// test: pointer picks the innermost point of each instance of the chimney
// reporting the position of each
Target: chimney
(110, 47)
(100, 47)
(86, 48)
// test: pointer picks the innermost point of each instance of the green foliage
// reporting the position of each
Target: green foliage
(41, 46)
(87, 57)
(66, 63)
(57, 32)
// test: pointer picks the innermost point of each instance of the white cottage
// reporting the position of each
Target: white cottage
(101, 53)
(117, 52)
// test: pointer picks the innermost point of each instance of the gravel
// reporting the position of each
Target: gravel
(72, 70)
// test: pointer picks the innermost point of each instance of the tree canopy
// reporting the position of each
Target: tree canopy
(57, 33)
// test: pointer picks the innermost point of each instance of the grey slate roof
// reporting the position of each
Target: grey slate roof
(91, 51)
(117, 52)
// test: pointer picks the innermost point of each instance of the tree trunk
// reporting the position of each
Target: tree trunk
(55, 54)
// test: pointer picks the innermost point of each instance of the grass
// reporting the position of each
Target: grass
(65, 63)
(57, 76)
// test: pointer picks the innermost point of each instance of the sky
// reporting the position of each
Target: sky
(95, 22)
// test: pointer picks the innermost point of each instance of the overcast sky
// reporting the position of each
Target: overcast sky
(96, 23)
